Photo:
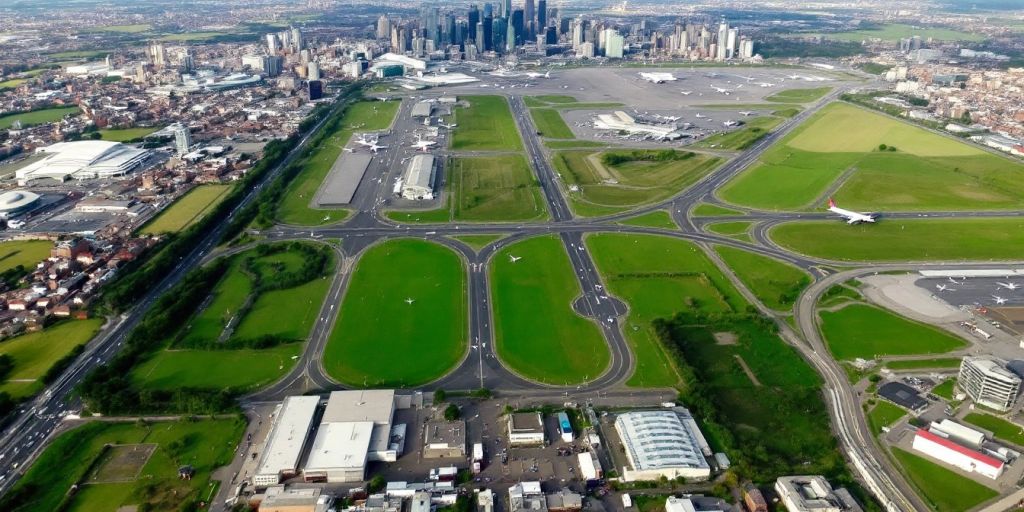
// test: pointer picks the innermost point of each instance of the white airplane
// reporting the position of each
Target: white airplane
(514, 258)
(851, 217)
(658, 78)
(942, 287)
(349, 150)
(422, 145)
(999, 300)
(766, 84)
(954, 281)
(730, 123)
(1008, 286)
(686, 93)
(721, 90)
(746, 113)
(410, 300)
(363, 141)
(700, 116)
(448, 126)
(375, 148)
(534, 74)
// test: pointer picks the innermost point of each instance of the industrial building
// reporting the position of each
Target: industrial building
(665, 443)
(418, 179)
(83, 160)
(696, 504)
(987, 381)
(942, 447)
(813, 494)
(422, 109)
(279, 499)
(14, 202)
(620, 121)
(444, 439)
(903, 396)
(526, 429)
(292, 422)
(356, 428)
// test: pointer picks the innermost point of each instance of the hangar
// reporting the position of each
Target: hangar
(418, 180)
(83, 160)
(665, 443)
(287, 438)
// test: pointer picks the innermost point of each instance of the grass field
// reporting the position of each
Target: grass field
(730, 228)
(34, 353)
(775, 283)
(420, 216)
(12, 83)
(294, 207)
(574, 144)
(494, 188)
(897, 31)
(927, 171)
(911, 240)
(945, 389)
(555, 345)
(658, 277)
(656, 219)
(123, 134)
(422, 340)
(192, 36)
(187, 209)
(299, 305)
(236, 370)
(711, 210)
(35, 117)
(487, 124)
(124, 29)
(918, 364)
(640, 179)
(860, 330)
(799, 95)
(754, 130)
(1002, 429)
(550, 124)
(884, 414)
(478, 242)
(203, 444)
(23, 252)
(943, 489)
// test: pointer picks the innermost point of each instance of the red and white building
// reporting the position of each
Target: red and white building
(957, 455)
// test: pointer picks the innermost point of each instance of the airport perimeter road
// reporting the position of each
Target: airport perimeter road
(28, 431)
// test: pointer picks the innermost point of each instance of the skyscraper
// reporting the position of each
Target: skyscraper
(542, 15)
(473, 16)
(506, 10)
(158, 55)
(383, 27)
(723, 36)
(272, 44)
(518, 23)
(528, 17)
(613, 44)
(510, 35)
(313, 71)
(488, 10)
(479, 36)
(499, 27)
(297, 43)
(182, 139)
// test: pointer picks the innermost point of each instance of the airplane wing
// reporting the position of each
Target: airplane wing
(853, 221)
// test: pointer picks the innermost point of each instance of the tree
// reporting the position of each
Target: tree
(451, 413)
(440, 396)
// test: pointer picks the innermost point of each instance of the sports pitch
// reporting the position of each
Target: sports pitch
(187, 210)
(658, 277)
(926, 171)
(497, 188)
(641, 178)
(26, 253)
(859, 330)
(487, 124)
(36, 117)
(381, 339)
(538, 334)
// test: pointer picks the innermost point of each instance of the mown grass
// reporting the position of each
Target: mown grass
(187, 210)
(945, 490)
(497, 188)
(859, 330)
(799, 95)
(884, 414)
(34, 353)
(656, 219)
(550, 124)
(487, 124)
(124, 134)
(775, 283)
(37, 117)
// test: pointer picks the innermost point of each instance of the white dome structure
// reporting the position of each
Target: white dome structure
(16, 201)
(83, 160)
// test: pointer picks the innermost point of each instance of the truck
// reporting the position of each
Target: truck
(447, 474)
(478, 457)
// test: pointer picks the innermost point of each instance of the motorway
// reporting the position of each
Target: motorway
(481, 366)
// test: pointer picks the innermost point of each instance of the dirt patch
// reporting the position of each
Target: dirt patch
(605, 174)
(726, 338)
(121, 463)
(746, 370)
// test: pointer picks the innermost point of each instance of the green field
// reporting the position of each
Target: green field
(187, 209)
(642, 177)
(733, 229)
(658, 277)
(911, 240)
(12, 83)
(923, 364)
(555, 345)
(26, 253)
(79, 54)
(943, 489)
(380, 339)
(192, 36)
(420, 216)
(574, 144)
(859, 330)
(799, 95)
(494, 188)
(896, 31)
(124, 134)
(656, 219)
(124, 29)
(34, 353)
(237, 370)
(294, 207)
(47, 115)
(752, 131)
(563, 102)
(711, 210)
(1000, 428)
(550, 124)
(927, 171)
(75, 457)
(775, 283)
(486, 125)
(884, 414)
(478, 242)
(945, 389)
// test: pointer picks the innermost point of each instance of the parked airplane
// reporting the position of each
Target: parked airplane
(730, 123)
(700, 116)
(1008, 286)
(448, 126)
(721, 90)
(851, 217)
(954, 281)
(422, 145)
(375, 148)
(349, 150)
(766, 84)
(999, 300)
(410, 300)
(534, 74)
(363, 141)
(686, 93)
(514, 258)
(942, 287)
(746, 113)
(658, 78)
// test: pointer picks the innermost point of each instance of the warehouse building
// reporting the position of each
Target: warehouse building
(356, 428)
(943, 448)
(987, 381)
(292, 421)
(665, 443)
(526, 429)
(418, 180)
(422, 109)
(444, 439)
(813, 494)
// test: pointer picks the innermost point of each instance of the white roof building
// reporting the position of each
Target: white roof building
(685, 504)
(938, 446)
(658, 77)
(418, 180)
(621, 121)
(988, 382)
(83, 160)
(355, 429)
(15, 201)
(813, 494)
(286, 440)
(660, 443)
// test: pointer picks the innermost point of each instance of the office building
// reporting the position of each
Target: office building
(613, 43)
(813, 494)
(664, 443)
(313, 71)
(316, 89)
(293, 420)
(272, 44)
(987, 381)
(182, 139)
(444, 438)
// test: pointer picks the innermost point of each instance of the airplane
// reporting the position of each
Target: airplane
(349, 150)
(794, 77)
(422, 145)
(954, 281)
(700, 116)
(1008, 286)
(448, 126)
(766, 84)
(514, 258)
(942, 287)
(747, 78)
(534, 74)
(730, 123)
(658, 78)
(375, 148)
(363, 141)
(746, 113)
(686, 93)
(999, 300)
(851, 217)
(721, 90)
(410, 300)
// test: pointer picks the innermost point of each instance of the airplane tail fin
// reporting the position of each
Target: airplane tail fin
(831, 203)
